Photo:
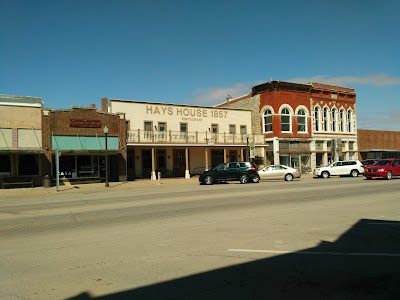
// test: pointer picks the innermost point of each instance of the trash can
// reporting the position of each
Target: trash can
(47, 181)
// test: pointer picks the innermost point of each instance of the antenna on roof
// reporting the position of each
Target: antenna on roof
(228, 98)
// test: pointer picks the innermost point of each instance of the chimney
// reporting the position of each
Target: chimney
(92, 105)
(104, 105)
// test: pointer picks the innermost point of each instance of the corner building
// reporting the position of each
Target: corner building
(304, 125)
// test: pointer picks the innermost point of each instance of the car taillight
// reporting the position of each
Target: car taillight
(253, 169)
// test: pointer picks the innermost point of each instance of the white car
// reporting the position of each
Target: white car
(342, 168)
(279, 172)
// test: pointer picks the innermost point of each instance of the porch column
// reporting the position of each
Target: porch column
(325, 155)
(225, 155)
(153, 168)
(346, 149)
(206, 158)
(187, 173)
(242, 154)
(276, 151)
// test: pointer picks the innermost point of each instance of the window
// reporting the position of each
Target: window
(148, 127)
(183, 130)
(316, 118)
(301, 121)
(243, 129)
(214, 128)
(285, 120)
(232, 128)
(325, 119)
(334, 119)
(349, 120)
(267, 117)
(162, 128)
(341, 120)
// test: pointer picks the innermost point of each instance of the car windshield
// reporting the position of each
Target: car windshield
(382, 162)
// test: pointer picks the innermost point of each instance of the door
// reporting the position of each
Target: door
(179, 162)
(232, 171)
(336, 168)
(396, 167)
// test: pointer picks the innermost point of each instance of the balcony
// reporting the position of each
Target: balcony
(195, 138)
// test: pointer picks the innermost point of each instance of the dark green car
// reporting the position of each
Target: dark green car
(243, 172)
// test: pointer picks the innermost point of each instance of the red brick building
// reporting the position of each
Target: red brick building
(378, 144)
(300, 121)
(78, 134)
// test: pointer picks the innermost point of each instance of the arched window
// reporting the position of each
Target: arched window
(325, 119)
(316, 118)
(286, 124)
(301, 121)
(342, 117)
(334, 119)
(349, 120)
(267, 116)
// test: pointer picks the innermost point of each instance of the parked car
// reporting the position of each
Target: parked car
(243, 172)
(368, 162)
(383, 168)
(341, 168)
(279, 172)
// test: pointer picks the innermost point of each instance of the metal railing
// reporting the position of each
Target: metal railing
(177, 137)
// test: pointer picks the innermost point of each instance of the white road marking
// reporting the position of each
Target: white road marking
(315, 252)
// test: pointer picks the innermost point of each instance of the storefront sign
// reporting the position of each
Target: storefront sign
(187, 113)
(85, 123)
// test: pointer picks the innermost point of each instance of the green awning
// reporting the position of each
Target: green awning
(69, 142)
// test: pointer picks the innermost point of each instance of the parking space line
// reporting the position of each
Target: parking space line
(315, 252)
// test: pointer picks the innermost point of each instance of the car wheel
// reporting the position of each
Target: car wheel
(244, 178)
(256, 179)
(389, 175)
(208, 180)
(354, 173)
(289, 177)
(325, 174)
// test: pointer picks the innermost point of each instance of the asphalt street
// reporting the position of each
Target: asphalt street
(337, 238)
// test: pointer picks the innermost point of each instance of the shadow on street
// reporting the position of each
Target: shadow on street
(364, 263)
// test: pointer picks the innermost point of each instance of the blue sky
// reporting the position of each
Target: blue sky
(73, 53)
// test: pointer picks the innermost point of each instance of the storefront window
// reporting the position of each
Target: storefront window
(5, 165)
(28, 165)
(78, 166)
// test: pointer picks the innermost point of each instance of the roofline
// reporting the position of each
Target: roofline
(173, 104)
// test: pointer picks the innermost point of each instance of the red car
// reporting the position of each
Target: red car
(383, 168)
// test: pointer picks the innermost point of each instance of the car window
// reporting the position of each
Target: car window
(345, 163)
(221, 167)
(352, 162)
(382, 162)
(396, 162)
(233, 165)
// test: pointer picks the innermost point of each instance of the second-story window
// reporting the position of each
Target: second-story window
(243, 129)
(232, 128)
(349, 120)
(334, 119)
(285, 120)
(267, 120)
(325, 120)
(148, 128)
(183, 130)
(301, 121)
(162, 128)
(316, 118)
(342, 117)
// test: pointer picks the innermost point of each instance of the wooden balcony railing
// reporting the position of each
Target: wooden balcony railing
(208, 138)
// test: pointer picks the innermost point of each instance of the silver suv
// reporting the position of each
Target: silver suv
(341, 168)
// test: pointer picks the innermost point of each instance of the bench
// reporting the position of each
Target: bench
(16, 182)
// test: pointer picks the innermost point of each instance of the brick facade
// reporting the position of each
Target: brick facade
(375, 140)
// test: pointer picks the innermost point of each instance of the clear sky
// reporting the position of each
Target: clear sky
(73, 53)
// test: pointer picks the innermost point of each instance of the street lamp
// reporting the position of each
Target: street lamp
(248, 148)
(105, 134)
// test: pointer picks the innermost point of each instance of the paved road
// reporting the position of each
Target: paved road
(316, 239)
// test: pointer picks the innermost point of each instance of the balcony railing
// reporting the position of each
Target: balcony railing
(208, 138)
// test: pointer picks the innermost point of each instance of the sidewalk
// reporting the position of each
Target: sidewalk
(138, 184)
